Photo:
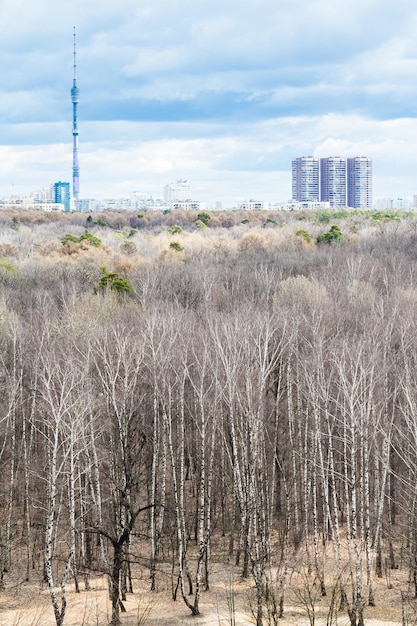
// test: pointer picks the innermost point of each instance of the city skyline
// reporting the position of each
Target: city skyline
(169, 95)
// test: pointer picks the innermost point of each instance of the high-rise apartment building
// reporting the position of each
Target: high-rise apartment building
(61, 194)
(359, 182)
(333, 181)
(338, 181)
(305, 179)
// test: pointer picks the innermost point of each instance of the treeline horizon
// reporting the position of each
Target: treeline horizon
(254, 381)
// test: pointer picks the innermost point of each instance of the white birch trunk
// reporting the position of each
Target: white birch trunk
(59, 607)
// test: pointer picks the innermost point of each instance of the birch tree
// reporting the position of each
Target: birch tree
(118, 356)
(249, 359)
(61, 412)
(11, 380)
(160, 338)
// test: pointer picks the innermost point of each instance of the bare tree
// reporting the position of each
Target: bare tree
(118, 356)
(60, 420)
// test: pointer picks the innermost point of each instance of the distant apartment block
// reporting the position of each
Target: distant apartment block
(177, 192)
(86, 205)
(189, 205)
(389, 204)
(61, 194)
(359, 183)
(333, 181)
(253, 205)
(305, 179)
(28, 204)
(336, 180)
(301, 206)
(177, 196)
(138, 201)
(43, 195)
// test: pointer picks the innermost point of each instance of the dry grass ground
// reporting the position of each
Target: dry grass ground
(28, 604)
(228, 603)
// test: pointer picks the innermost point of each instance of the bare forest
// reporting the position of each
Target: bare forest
(208, 414)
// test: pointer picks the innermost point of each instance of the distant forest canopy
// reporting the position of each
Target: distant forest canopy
(221, 218)
(171, 378)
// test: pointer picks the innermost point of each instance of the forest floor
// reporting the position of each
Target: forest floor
(28, 604)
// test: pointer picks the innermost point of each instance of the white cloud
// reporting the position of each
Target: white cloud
(223, 92)
(227, 162)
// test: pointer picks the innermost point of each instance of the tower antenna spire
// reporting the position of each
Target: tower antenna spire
(75, 96)
(75, 56)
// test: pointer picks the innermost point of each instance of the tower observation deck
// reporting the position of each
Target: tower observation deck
(75, 96)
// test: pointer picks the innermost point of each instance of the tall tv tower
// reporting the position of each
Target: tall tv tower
(75, 96)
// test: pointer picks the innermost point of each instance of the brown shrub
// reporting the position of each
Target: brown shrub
(128, 248)
(50, 248)
(8, 250)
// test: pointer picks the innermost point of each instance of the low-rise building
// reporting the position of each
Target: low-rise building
(188, 205)
(253, 205)
(302, 206)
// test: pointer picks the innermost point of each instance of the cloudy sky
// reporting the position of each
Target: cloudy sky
(221, 92)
